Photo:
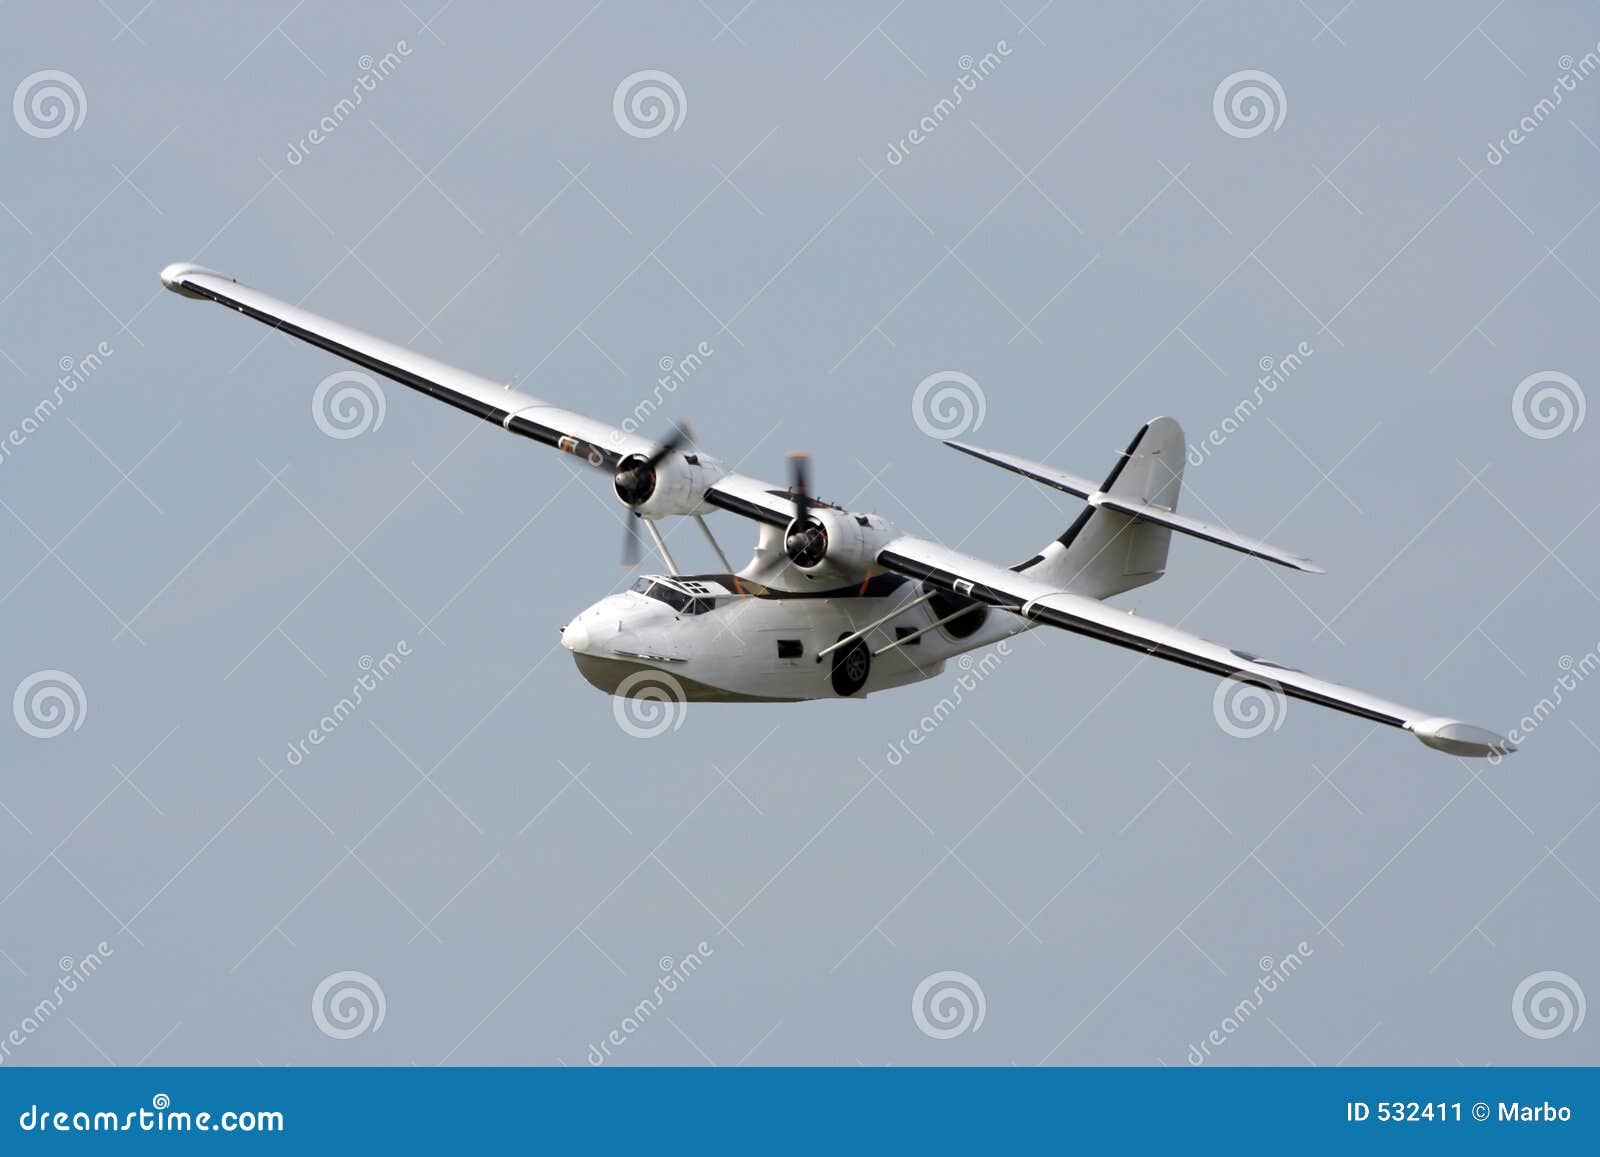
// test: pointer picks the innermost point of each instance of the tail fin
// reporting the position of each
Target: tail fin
(1120, 540)
(1106, 551)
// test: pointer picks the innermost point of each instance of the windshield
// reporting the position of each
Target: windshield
(679, 601)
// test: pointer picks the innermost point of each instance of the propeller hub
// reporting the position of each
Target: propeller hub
(806, 541)
(635, 480)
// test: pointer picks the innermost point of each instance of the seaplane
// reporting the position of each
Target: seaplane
(837, 603)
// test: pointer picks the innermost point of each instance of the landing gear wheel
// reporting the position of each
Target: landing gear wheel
(851, 667)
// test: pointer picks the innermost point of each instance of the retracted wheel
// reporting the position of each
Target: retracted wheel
(851, 666)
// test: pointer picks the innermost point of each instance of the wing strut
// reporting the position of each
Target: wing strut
(915, 635)
(874, 625)
(712, 539)
(661, 544)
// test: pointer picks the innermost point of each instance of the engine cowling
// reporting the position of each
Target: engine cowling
(836, 540)
(675, 485)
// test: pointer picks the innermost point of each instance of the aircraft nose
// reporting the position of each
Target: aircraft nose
(575, 636)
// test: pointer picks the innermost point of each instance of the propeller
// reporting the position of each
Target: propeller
(631, 543)
(799, 484)
(806, 542)
(635, 481)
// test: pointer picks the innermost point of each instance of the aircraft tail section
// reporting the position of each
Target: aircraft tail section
(1120, 541)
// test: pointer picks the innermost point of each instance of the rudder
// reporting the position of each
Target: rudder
(1105, 552)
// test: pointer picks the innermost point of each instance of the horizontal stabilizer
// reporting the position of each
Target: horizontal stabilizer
(1220, 535)
(1143, 511)
(1038, 471)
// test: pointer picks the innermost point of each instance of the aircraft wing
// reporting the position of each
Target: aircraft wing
(1039, 602)
(598, 443)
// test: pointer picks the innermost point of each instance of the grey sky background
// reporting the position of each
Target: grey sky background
(1084, 240)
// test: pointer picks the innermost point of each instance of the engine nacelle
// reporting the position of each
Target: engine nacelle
(675, 485)
(837, 542)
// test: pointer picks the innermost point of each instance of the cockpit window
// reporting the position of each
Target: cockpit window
(679, 601)
(675, 599)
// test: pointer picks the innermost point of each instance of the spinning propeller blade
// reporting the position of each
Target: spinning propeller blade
(681, 432)
(799, 486)
(629, 477)
(806, 542)
(631, 545)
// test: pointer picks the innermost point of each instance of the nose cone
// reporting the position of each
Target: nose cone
(575, 636)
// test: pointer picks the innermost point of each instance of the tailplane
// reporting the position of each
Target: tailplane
(1120, 540)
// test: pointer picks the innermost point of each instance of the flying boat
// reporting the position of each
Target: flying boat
(838, 603)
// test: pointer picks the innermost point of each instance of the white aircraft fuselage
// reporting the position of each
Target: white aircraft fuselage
(724, 638)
